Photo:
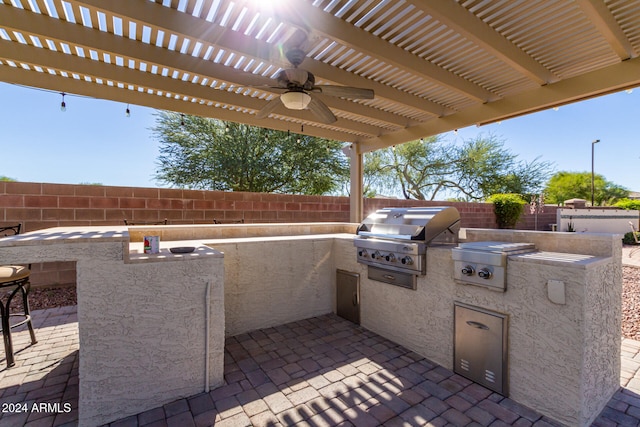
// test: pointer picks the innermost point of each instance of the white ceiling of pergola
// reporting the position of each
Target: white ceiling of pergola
(434, 65)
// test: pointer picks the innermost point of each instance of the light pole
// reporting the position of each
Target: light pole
(593, 143)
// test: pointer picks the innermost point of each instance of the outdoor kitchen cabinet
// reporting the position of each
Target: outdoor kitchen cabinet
(563, 357)
(480, 346)
(564, 353)
(348, 295)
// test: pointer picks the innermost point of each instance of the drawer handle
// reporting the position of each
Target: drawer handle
(389, 277)
(477, 325)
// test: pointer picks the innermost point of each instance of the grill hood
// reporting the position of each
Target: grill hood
(411, 224)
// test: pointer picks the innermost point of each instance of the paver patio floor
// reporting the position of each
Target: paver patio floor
(44, 373)
(322, 371)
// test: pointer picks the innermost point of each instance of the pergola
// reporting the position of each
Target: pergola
(434, 66)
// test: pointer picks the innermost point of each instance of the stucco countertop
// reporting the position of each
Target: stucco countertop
(213, 242)
(133, 250)
(562, 259)
(136, 252)
(207, 247)
(79, 237)
(58, 235)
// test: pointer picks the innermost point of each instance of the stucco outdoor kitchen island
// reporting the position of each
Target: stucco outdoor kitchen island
(152, 326)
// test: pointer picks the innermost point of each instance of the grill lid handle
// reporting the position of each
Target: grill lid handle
(392, 230)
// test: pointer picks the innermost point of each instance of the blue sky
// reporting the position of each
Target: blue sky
(94, 141)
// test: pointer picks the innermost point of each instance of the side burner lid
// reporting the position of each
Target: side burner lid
(498, 247)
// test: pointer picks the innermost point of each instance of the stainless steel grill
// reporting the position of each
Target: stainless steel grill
(393, 241)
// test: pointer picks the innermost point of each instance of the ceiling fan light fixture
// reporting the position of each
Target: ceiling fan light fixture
(295, 100)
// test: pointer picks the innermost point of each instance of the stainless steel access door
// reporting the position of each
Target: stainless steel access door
(348, 295)
(480, 347)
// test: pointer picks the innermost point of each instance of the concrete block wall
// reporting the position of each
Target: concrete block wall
(45, 205)
(42, 205)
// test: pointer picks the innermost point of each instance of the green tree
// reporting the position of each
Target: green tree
(577, 185)
(471, 171)
(6, 179)
(628, 204)
(414, 169)
(203, 153)
(488, 168)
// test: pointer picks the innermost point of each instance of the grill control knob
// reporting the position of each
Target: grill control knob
(363, 253)
(376, 255)
(485, 273)
(468, 270)
(407, 260)
(390, 257)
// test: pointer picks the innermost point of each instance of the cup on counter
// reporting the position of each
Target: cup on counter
(151, 244)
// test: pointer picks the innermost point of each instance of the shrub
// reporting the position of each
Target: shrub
(508, 209)
(628, 238)
(628, 204)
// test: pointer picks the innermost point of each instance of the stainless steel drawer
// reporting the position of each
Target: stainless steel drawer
(405, 280)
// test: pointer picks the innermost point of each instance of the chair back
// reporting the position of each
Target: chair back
(10, 230)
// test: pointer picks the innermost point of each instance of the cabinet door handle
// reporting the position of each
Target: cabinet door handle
(477, 325)
(355, 298)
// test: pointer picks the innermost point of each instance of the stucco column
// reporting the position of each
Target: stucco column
(355, 166)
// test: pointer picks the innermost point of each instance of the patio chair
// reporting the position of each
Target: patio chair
(163, 222)
(14, 279)
(635, 238)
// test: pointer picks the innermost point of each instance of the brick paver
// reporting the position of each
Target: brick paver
(322, 371)
(44, 382)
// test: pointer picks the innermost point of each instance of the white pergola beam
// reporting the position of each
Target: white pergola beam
(364, 42)
(601, 17)
(455, 16)
(607, 80)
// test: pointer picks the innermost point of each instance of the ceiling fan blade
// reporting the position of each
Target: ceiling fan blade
(320, 109)
(246, 79)
(345, 91)
(268, 108)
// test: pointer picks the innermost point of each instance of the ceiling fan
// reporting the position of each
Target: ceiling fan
(300, 89)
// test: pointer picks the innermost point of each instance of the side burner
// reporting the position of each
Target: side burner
(485, 263)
